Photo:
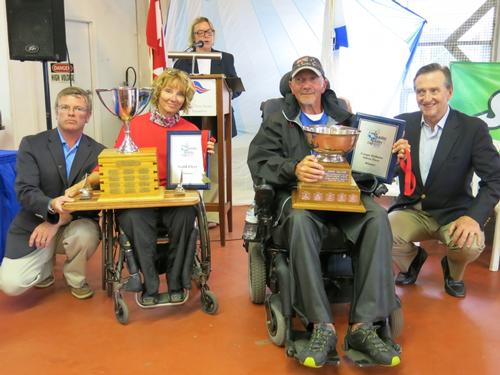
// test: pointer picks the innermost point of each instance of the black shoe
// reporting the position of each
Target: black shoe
(365, 340)
(320, 346)
(176, 296)
(410, 276)
(452, 287)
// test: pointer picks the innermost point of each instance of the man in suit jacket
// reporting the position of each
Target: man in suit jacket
(47, 164)
(447, 148)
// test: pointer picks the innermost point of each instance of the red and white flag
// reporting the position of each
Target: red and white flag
(154, 37)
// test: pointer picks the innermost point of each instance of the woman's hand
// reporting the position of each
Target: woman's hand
(211, 146)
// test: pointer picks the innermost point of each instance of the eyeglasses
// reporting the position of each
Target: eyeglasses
(67, 108)
(208, 32)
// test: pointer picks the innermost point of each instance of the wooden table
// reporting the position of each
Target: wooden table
(169, 199)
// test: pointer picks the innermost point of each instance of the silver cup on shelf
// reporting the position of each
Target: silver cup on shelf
(125, 103)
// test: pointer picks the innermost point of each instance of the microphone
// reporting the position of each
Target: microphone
(195, 45)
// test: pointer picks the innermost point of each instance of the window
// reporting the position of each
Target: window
(455, 31)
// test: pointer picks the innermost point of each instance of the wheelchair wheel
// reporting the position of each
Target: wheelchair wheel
(121, 310)
(276, 326)
(209, 302)
(256, 273)
(396, 322)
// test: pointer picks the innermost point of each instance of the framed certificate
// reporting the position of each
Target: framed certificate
(373, 151)
(187, 159)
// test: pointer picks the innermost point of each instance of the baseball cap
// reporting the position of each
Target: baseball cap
(309, 63)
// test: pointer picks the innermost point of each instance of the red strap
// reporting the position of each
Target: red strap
(410, 180)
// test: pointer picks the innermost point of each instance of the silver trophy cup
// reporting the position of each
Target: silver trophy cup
(125, 103)
(331, 143)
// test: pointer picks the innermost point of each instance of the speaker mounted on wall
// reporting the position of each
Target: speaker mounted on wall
(36, 30)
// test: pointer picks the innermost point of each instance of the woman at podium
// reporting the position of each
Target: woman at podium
(201, 39)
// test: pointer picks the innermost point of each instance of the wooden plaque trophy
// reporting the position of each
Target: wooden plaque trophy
(337, 191)
(127, 170)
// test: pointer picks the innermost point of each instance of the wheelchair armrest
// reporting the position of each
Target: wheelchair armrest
(369, 184)
(264, 197)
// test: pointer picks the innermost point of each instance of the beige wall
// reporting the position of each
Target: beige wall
(117, 41)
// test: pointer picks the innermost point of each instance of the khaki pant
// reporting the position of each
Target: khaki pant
(413, 225)
(78, 240)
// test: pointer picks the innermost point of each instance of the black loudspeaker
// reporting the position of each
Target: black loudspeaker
(36, 30)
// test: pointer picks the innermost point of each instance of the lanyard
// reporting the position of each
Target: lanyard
(410, 181)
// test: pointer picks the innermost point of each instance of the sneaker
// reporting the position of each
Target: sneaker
(83, 292)
(320, 346)
(45, 283)
(365, 340)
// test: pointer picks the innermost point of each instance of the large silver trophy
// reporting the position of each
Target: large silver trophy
(125, 103)
(337, 191)
(331, 143)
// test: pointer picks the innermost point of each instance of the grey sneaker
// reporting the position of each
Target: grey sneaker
(83, 292)
(320, 346)
(45, 283)
(366, 341)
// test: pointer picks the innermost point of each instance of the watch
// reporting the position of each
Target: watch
(50, 209)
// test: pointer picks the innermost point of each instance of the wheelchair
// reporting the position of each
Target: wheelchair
(268, 269)
(268, 262)
(119, 255)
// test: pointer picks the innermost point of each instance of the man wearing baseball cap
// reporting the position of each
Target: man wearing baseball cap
(281, 156)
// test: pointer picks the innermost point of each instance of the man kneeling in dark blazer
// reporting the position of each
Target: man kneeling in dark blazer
(447, 148)
(47, 164)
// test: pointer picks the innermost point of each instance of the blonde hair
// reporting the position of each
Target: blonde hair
(175, 78)
(196, 22)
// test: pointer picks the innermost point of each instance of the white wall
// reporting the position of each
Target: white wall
(115, 44)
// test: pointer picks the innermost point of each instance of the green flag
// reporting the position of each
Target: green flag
(476, 91)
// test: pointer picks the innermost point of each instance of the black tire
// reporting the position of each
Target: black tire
(396, 323)
(275, 321)
(256, 273)
(209, 302)
(121, 310)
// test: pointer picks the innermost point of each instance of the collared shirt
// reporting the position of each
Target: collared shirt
(69, 153)
(429, 139)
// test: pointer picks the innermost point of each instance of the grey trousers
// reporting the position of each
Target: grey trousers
(140, 226)
(374, 295)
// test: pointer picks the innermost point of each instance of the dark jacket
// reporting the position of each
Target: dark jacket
(280, 144)
(224, 66)
(41, 176)
(465, 147)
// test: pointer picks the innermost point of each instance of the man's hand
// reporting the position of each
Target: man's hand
(57, 204)
(309, 170)
(399, 147)
(463, 230)
(43, 234)
(74, 190)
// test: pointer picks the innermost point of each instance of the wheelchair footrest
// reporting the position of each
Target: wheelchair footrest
(138, 300)
(360, 359)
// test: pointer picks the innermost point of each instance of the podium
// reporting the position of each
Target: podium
(212, 102)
